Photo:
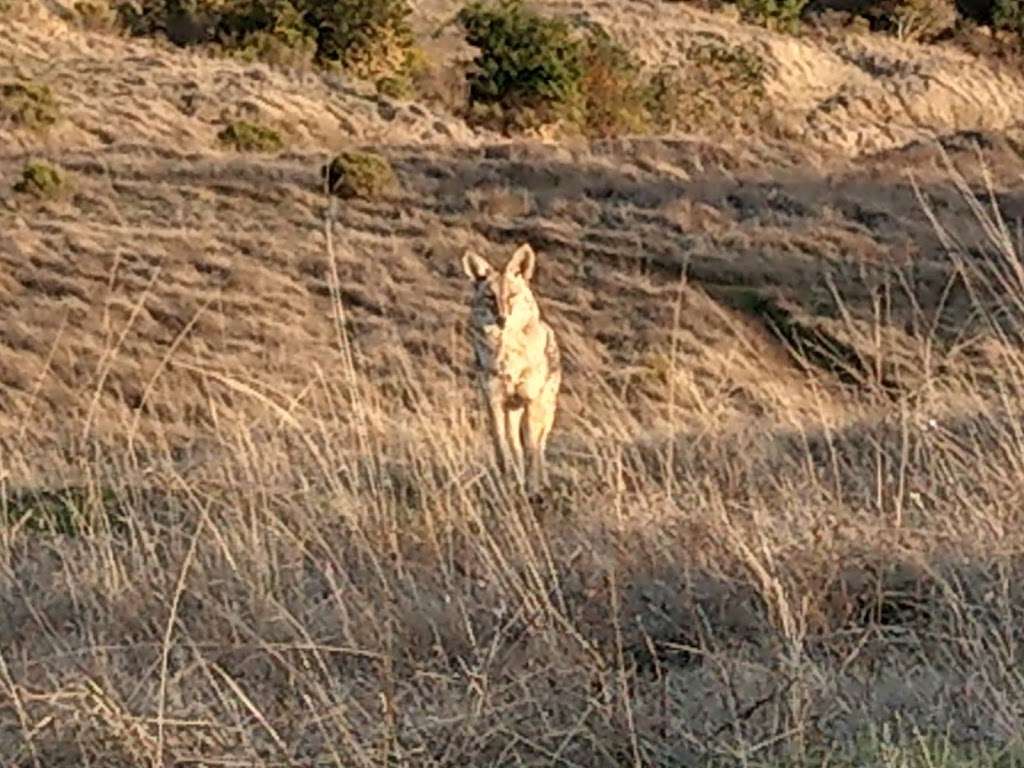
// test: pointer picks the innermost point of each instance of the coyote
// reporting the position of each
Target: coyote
(519, 367)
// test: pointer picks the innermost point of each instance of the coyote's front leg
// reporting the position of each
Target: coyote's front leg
(536, 422)
(514, 436)
(499, 430)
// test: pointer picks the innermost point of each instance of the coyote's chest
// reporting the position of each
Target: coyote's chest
(511, 367)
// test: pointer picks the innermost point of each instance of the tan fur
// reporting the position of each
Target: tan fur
(518, 362)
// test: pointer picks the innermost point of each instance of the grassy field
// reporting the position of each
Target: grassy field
(249, 517)
(344, 579)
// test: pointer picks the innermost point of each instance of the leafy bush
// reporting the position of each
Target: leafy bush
(908, 20)
(41, 180)
(615, 95)
(359, 174)
(183, 22)
(26, 105)
(394, 87)
(921, 20)
(780, 15)
(529, 68)
(96, 15)
(532, 70)
(369, 38)
(274, 31)
(718, 85)
(250, 137)
(1008, 16)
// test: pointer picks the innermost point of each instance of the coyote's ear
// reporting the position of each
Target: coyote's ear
(475, 267)
(522, 263)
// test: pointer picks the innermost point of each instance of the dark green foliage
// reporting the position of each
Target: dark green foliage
(183, 22)
(394, 87)
(526, 62)
(532, 70)
(780, 15)
(96, 15)
(719, 85)
(250, 137)
(616, 91)
(1008, 16)
(366, 37)
(26, 105)
(41, 180)
(364, 175)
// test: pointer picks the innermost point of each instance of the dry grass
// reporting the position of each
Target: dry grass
(343, 579)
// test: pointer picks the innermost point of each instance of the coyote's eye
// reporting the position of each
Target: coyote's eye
(492, 302)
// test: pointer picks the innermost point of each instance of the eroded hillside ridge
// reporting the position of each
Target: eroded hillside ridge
(836, 93)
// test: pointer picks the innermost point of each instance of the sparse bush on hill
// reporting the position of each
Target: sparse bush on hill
(1008, 16)
(42, 180)
(394, 87)
(718, 84)
(368, 38)
(183, 22)
(364, 175)
(532, 70)
(913, 20)
(27, 105)
(244, 136)
(780, 15)
(529, 69)
(96, 15)
(615, 93)
(267, 30)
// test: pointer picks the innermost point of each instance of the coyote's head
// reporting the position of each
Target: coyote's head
(502, 301)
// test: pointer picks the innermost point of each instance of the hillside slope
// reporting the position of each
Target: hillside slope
(172, 256)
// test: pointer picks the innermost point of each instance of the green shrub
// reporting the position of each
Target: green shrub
(780, 15)
(183, 22)
(368, 38)
(665, 96)
(921, 20)
(266, 30)
(532, 70)
(42, 180)
(26, 105)
(718, 84)
(528, 66)
(615, 94)
(244, 136)
(95, 15)
(1008, 16)
(394, 87)
(909, 20)
(365, 175)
